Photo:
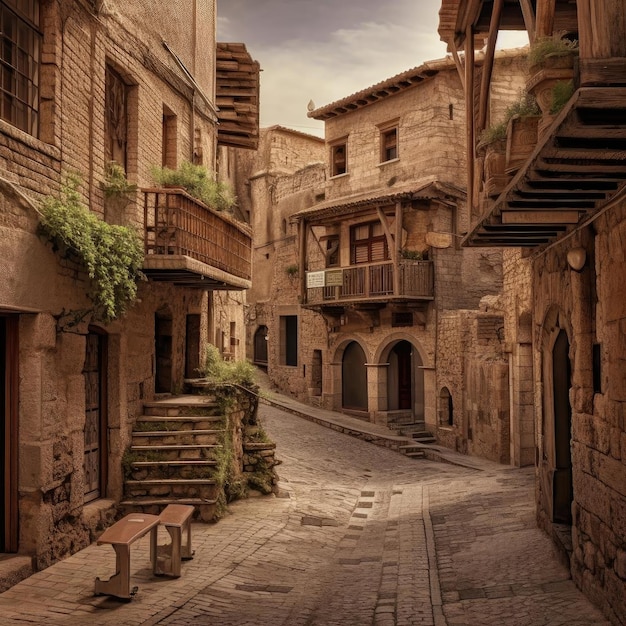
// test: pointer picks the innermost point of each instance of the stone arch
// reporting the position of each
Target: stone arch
(394, 365)
(337, 367)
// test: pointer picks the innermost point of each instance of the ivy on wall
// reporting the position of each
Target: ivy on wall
(112, 255)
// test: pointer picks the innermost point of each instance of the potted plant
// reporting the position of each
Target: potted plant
(491, 161)
(522, 131)
(551, 60)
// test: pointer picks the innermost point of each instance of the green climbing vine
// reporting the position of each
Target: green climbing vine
(111, 254)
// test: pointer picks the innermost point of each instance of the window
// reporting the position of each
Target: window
(116, 126)
(289, 340)
(368, 243)
(169, 148)
(388, 144)
(339, 158)
(19, 64)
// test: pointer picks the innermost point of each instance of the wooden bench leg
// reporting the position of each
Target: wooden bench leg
(119, 584)
(186, 551)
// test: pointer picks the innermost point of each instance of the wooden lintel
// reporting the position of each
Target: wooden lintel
(539, 217)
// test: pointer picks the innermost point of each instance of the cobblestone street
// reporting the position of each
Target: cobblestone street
(358, 535)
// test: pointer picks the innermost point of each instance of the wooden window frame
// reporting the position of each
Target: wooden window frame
(370, 241)
(389, 142)
(20, 66)
(339, 157)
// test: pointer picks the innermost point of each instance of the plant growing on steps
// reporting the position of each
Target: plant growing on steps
(199, 183)
(216, 370)
(112, 255)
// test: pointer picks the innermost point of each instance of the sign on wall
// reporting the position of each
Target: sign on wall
(315, 279)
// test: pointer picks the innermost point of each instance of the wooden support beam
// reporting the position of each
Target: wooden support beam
(529, 18)
(470, 135)
(545, 17)
(459, 64)
(494, 26)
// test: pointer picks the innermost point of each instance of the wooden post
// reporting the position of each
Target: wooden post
(302, 236)
(469, 114)
(602, 43)
(529, 18)
(396, 260)
(494, 26)
(545, 17)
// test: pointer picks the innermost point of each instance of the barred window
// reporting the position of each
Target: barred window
(20, 43)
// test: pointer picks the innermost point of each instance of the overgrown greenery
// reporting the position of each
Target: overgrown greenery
(552, 45)
(413, 255)
(111, 254)
(525, 105)
(199, 183)
(115, 181)
(562, 91)
(292, 271)
(217, 370)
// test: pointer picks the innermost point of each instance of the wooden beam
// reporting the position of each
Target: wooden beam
(540, 217)
(470, 135)
(545, 17)
(529, 18)
(459, 64)
(485, 84)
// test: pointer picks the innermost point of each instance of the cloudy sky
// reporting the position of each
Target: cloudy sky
(324, 50)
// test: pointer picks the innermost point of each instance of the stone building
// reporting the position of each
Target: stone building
(85, 83)
(561, 214)
(373, 308)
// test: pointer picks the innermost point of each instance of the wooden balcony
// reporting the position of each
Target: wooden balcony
(372, 283)
(190, 244)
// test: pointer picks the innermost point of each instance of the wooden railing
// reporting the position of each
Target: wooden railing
(376, 282)
(177, 224)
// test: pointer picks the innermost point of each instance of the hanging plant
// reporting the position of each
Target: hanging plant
(112, 255)
(115, 181)
(199, 183)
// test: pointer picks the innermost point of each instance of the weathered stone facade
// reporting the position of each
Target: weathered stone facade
(45, 316)
(451, 341)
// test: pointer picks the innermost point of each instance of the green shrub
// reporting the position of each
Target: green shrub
(219, 371)
(115, 181)
(199, 183)
(562, 91)
(112, 255)
(552, 45)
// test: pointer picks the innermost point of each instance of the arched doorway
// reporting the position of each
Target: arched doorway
(399, 377)
(163, 351)
(353, 378)
(260, 346)
(561, 381)
(446, 408)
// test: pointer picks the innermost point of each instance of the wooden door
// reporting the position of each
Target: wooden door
(403, 351)
(9, 432)
(94, 373)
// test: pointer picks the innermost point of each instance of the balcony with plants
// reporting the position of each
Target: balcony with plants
(191, 236)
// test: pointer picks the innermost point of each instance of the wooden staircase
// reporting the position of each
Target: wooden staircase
(173, 457)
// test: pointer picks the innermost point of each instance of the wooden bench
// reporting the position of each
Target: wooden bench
(177, 520)
(121, 536)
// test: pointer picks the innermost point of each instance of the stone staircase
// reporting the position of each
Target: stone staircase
(173, 457)
(404, 424)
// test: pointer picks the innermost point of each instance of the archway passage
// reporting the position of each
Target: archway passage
(563, 493)
(260, 346)
(8, 433)
(354, 378)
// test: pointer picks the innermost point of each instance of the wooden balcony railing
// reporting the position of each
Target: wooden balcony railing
(375, 282)
(176, 224)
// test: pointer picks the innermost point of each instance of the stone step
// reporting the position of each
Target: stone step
(205, 509)
(171, 437)
(414, 451)
(181, 422)
(155, 470)
(177, 452)
(181, 409)
(203, 488)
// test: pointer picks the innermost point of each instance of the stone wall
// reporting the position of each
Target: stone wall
(588, 307)
(46, 291)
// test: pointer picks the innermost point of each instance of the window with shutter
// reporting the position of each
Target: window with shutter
(368, 243)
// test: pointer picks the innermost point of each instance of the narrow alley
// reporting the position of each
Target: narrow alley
(358, 535)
